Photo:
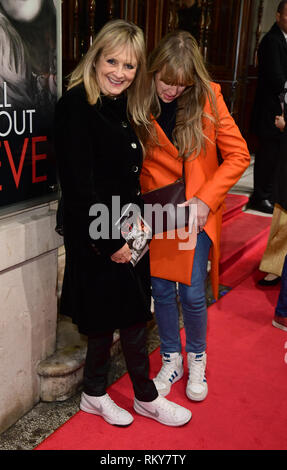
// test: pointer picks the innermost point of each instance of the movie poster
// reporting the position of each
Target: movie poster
(28, 94)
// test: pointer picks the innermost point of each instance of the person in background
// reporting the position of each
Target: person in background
(99, 158)
(189, 120)
(274, 258)
(28, 53)
(272, 77)
(28, 80)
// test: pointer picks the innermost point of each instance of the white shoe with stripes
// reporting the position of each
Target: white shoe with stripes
(196, 388)
(171, 372)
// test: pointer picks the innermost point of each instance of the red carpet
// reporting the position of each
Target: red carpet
(243, 241)
(246, 406)
(239, 235)
(246, 264)
(234, 204)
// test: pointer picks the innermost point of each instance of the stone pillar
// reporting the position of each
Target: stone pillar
(28, 309)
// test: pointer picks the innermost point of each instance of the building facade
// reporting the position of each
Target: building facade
(228, 32)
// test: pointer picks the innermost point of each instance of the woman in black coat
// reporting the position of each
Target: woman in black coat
(99, 157)
(274, 260)
(272, 76)
(274, 256)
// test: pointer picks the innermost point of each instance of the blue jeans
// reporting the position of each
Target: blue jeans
(193, 303)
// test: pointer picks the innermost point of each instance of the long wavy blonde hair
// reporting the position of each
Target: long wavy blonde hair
(179, 61)
(115, 35)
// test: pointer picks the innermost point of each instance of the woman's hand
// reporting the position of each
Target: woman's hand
(280, 122)
(123, 255)
(202, 211)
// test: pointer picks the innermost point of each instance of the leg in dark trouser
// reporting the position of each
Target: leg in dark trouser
(97, 364)
(147, 402)
(133, 341)
(95, 399)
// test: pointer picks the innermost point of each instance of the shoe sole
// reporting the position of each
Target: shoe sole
(164, 394)
(197, 397)
(162, 421)
(278, 325)
(266, 283)
(94, 412)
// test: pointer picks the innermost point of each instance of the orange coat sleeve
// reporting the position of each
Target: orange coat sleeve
(234, 153)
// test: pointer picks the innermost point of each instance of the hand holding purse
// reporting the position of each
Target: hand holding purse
(164, 214)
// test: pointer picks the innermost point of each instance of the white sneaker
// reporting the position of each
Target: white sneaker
(164, 411)
(171, 372)
(196, 388)
(104, 406)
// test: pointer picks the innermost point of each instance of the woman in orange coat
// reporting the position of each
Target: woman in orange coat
(190, 121)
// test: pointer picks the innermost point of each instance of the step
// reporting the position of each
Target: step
(245, 265)
(239, 235)
(61, 374)
(234, 204)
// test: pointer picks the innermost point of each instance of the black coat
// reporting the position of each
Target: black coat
(272, 75)
(99, 157)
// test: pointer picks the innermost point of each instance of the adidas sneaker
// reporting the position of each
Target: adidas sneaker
(196, 388)
(170, 372)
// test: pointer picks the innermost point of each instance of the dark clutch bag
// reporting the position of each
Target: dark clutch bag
(166, 215)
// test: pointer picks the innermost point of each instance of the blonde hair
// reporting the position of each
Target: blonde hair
(178, 59)
(115, 35)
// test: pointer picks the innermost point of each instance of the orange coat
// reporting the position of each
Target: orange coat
(205, 179)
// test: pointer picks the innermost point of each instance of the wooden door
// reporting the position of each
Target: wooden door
(222, 28)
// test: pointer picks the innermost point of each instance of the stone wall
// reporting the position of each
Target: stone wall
(28, 309)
